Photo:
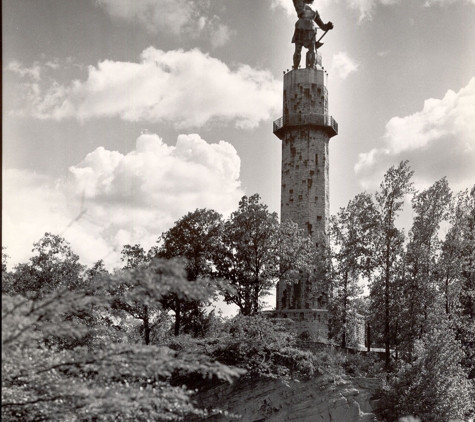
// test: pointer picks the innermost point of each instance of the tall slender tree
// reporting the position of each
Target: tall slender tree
(390, 202)
(419, 281)
(352, 238)
(457, 273)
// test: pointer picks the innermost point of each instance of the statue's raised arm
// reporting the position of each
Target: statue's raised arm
(306, 31)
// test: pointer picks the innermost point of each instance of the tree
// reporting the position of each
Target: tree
(390, 201)
(133, 256)
(352, 237)
(457, 273)
(54, 266)
(248, 258)
(296, 254)
(103, 380)
(98, 269)
(419, 290)
(434, 387)
(195, 237)
(6, 276)
(140, 291)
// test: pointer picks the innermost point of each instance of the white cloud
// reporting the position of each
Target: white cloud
(365, 8)
(446, 2)
(439, 141)
(287, 5)
(111, 199)
(186, 88)
(17, 67)
(175, 17)
(342, 65)
(219, 34)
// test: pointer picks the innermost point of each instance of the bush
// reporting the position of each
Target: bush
(434, 387)
(359, 365)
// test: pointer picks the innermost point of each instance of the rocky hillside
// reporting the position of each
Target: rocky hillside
(319, 400)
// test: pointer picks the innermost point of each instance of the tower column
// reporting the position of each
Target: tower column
(305, 131)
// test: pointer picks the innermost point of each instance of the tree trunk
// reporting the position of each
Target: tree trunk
(345, 297)
(369, 337)
(387, 339)
(146, 326)
(447, 309)
(177, 316)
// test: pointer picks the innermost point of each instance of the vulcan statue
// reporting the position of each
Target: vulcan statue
(306, 32)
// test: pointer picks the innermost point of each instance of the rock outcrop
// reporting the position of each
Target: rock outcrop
(318, 400)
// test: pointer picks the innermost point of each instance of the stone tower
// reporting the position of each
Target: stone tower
(305, 131)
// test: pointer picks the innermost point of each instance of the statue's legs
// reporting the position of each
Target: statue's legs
(297, 55)
(310, 58)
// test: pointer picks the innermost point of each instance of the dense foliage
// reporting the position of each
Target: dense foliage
(86, 344)
(420, 307)
(67, 354)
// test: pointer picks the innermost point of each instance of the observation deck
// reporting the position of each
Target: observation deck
(321, 121)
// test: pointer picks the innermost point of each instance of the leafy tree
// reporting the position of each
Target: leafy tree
(434, 386)
(6, 276)
(419, 288)
(352, 234)
(133, 256)
(4, 260)
(390, 241)
(140, 291)
(195, 237)
(54, 266)
(300, 262)
(248, 258)
(103, 380)
(98, 269)
(457, 273)
(295, 253)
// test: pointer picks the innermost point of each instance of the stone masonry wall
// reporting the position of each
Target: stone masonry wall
(305, 190)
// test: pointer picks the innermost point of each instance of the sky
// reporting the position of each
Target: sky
(120, 116)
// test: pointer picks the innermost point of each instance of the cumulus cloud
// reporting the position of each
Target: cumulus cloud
(287, 5)
(186, 88)
(439, 141)
(112, 199)
(365, 8)
(343, 65)
(219, 34)
(446, 2)
(175, 17)
(34, 72)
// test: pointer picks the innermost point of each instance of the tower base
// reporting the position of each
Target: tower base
(308, 324)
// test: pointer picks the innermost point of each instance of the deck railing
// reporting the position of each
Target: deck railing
(305, 119)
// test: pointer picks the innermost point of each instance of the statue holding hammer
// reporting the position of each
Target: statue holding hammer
(306, 32)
